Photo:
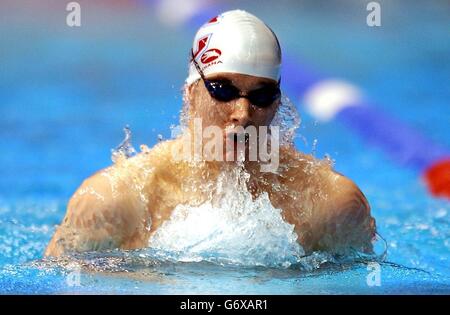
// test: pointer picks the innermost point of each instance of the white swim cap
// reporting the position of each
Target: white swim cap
(238, 42)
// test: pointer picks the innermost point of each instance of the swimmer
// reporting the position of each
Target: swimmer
(233, 83)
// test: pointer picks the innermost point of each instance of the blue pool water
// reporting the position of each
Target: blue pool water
(66, 93)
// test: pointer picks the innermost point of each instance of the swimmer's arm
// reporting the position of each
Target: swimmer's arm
(99, 218)
(343, 220)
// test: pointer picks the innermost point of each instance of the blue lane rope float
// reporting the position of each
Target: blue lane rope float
(330, 99)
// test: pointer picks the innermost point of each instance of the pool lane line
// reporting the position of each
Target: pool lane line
(328, 99)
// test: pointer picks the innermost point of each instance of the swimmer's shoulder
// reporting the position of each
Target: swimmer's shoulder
(161, 162)
(149, 158)
(301, 166)
(115, 180)
(336, 199)
(317, 177)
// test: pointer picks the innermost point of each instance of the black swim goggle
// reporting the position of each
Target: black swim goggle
(224, 91)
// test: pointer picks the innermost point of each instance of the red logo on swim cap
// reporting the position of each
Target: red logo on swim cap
(202, 44)
(210, 55)
(213, 20)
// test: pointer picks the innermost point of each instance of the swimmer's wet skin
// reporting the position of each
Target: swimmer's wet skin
(123, 205)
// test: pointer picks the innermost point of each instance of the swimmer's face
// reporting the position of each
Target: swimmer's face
(237, 112)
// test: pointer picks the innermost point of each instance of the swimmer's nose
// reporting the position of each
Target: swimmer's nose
(241, 113)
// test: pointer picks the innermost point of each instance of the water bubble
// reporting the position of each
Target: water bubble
(314, 147)
(144, 148)
(125, 149)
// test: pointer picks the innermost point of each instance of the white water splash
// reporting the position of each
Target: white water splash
(232, 228)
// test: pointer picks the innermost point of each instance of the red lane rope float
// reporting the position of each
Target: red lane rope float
(437, 178)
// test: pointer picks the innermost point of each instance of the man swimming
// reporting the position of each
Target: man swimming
(233, 85)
